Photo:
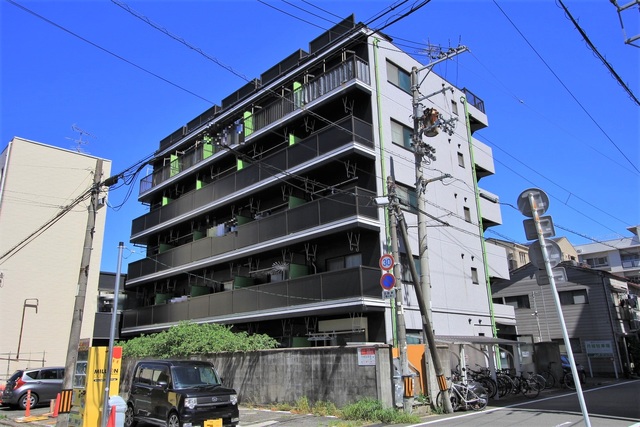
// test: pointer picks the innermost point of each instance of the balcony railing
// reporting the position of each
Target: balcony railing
(311, 214)
(358, 282)
(347, 131)
(353, 68)
(473, 99)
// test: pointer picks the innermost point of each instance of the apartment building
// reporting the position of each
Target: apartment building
(618, 256)
(262, 210)
(40, 258)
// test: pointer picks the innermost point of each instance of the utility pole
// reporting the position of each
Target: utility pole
(426, 122)
(83, 276)
(426, 322)
(407, 377)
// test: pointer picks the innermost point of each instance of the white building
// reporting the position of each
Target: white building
(619, 256)
(41, 250)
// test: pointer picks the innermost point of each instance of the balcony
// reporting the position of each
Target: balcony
(348, 131)
(490, 207)
(483, 158)
(312, 214)
(335, 78)
(359, 282)
(477, 115)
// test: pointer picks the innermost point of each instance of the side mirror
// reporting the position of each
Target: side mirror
(163, 385)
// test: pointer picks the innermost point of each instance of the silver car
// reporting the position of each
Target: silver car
(44, 383)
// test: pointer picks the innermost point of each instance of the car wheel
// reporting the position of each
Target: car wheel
(23, 402)
(129, 421)
(173, 420)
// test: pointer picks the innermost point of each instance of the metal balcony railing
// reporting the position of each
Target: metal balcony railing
(358, 282)
(353, 68)
(354, 202)
(346, 131)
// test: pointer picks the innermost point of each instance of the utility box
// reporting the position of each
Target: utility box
(89, 384)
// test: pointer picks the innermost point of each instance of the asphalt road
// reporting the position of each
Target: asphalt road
(610, 403)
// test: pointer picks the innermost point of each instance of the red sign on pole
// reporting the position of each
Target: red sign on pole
(386, 262)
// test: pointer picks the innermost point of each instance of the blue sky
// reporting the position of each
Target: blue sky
(558, 120)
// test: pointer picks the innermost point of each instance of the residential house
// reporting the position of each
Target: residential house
(599, 308)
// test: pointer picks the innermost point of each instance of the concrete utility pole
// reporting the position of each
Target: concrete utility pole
(426, 122)
(426, 322)
(407, 377)
(83, 276)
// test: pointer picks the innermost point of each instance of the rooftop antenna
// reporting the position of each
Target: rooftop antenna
(80, 142)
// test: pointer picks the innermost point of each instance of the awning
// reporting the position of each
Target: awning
(453, 339)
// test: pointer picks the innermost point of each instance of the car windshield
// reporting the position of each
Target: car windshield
(193, 376)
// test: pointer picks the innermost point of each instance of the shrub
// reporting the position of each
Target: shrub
(187, 339)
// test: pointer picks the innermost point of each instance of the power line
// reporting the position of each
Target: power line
(565, 86)
(106, 50)
(598, 54)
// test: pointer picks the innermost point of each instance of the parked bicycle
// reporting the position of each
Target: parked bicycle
(466, 396)
(549, 377)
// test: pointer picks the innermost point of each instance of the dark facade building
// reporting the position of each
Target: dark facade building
(262, 210)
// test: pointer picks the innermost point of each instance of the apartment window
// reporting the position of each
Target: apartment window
(573, 297)
(401, 135)
(518, 301)
(460, 160)
(574, 342)
(474, 276)
(523, 258)
(630, 260)
(454, 107)
(408, 198)
(597, 262)
(347, 261)
(467, 214)
(398, 77)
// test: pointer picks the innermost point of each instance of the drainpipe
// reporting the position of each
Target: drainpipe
(607, 296)
(476, 191)
(383, 174)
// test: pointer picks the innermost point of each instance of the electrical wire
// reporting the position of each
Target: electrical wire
(582, 107)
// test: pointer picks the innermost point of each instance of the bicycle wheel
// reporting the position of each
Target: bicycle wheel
(453, 398)
(477, 398)
(529, 388)
(542, 383)
(549, 378)
(490, 385)
(505, 386)
(569, 381)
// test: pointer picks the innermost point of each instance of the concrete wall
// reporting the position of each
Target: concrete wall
(330, 374)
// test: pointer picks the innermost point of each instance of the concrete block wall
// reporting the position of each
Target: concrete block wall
(331, 374)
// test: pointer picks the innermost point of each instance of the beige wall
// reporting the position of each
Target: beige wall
(38, 181)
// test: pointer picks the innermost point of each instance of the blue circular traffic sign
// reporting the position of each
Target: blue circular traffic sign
(387, 281)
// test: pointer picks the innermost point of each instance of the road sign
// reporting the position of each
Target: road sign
(386, 262)
(559, 276)
(553, 250)
(546, 224)
(387, 281)
(389, 294)
(540, 198)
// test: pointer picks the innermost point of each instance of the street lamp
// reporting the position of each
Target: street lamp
(24, 307)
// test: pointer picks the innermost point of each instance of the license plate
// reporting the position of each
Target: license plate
(213, 423)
